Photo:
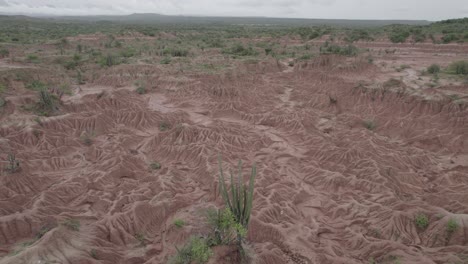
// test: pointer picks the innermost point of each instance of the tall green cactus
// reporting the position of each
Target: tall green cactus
(240, 200)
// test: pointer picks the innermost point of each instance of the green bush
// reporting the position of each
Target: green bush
(109, 60)
(141, 90)
(399, 36)
(224, 226)
(195, 251)
(239, 50)
(155, 165)
(179, 223)
(349, 50)
(452, 226)
(433, 69)
(449, 38)
(421, 221)
(458, 67)
(369, 124)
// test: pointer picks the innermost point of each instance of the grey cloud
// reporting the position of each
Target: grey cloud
(3, 3)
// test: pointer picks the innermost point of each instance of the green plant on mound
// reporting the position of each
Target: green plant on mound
(421, 221)
(452, 226)
(195, 251)
(239, 200)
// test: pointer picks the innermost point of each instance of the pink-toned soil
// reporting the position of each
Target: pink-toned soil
(328, 190)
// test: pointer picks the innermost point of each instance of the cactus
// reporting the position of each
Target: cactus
(46, 100)
(240, 200)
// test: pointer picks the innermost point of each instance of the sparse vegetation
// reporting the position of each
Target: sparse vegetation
(433, 69)
(179, 223)
(141, 239)
(93, 253)
(87, 138)
(421, 221)
(369, 124)
(141, 90)
(349, 50)
(155, 165)
(239, 50)
(72, 224)
(452, 226)
(195, 251)
(163, 126)
(458, 67)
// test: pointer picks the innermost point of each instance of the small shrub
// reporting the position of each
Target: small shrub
(452, 226)
(369, 124)
(421, 221)
(239, 50)
(93, 253)
(72, 224)
(141, 90)
(155, 165)
(224, 227)
(458, 67)
(332, 99)
(87, 138)
(163, 126)
(392, 83)
(32, 58)
(195, 251)
(179, 223)
(349, 50)
(109, 60)
(2, 102)
(141, 238)
(36, 85)
(433, 69)
(399, 36)
(165, 60)
(43, 231)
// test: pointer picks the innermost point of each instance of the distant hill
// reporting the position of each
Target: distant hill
(151, 18)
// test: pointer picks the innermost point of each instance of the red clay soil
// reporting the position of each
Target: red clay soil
(328, 189)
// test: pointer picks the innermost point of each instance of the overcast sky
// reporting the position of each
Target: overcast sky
(348, 9)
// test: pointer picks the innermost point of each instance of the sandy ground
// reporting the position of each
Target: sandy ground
(328, 190)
